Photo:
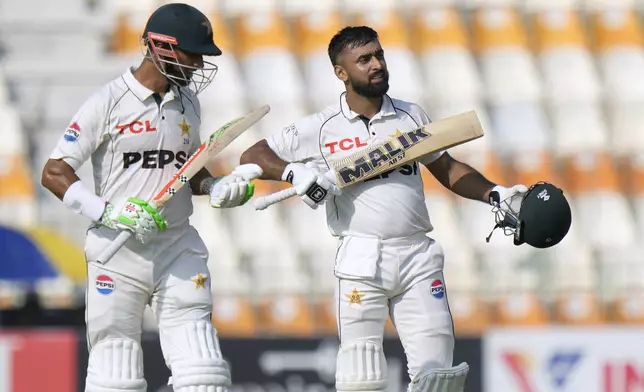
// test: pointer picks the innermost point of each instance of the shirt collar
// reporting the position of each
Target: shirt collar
(142, 92)
(386, 110)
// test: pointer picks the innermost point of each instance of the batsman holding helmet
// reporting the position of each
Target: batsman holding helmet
(386, 264)
(138, 130)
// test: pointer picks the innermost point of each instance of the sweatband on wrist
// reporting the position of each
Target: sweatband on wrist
(84, 202)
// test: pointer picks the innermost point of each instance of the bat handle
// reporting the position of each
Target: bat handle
(264, 202)
(114, 247)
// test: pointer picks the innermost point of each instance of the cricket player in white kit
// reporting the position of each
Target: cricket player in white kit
(386, 265)
(138, 130)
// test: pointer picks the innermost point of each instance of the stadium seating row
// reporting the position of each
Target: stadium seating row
(297, 316)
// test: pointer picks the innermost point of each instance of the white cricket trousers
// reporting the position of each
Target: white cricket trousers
(401, 278)
(170, 274)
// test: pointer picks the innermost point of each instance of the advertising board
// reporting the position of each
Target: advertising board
(289, 364)
(32, 359)
(602, 359)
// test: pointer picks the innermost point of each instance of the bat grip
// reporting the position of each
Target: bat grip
(114, 247)
(264, 202)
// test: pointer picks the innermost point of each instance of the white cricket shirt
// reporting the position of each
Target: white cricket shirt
(389, 206)
(135, 144)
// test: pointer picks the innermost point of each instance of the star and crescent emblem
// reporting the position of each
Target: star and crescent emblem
(185, 128)
(200, 280)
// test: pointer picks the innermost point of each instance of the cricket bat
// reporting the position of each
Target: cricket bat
(384, 156)
(219, 140)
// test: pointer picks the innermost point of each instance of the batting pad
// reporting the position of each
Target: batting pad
(361, 366)
(194, 357)
(440, 380)
(115, 364)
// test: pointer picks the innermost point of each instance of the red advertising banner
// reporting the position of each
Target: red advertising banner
(38, 360)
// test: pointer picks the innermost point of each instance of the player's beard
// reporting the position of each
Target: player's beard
(369, 89)
(178, 77)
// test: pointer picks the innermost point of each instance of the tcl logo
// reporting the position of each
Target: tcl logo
(623, 377)
(345, 144)
(154, 159)
(136, 127)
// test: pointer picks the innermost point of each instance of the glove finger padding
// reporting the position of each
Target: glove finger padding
(231, 191)
(237, 193)
(236, 187)
(139, 217)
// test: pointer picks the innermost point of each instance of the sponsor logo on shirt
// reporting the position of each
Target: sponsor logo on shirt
(105, 285)
(405, 170)
(291, 128)
(438, 289)
(72, 133)
(154, 159)
(345, 145)
(136, 127)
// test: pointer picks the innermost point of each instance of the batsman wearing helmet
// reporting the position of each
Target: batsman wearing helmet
(386, 265)
(138, 130)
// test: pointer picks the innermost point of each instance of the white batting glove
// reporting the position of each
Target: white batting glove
(236, 188)
(310, 183)
(137, 216)
(507, 199)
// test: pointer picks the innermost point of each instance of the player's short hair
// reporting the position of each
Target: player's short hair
(350, 37)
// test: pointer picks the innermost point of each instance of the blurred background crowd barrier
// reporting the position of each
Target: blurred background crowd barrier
(559, 85)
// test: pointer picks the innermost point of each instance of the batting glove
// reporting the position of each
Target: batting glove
(236, 188)
(310, 183)
(507, 199)
(137, 216)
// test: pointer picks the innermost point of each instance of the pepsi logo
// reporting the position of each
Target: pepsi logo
(438, 289)
(72, 133)
(105, 285)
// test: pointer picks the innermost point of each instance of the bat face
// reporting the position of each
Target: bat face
(219, 139)
(407, 147)
(363, 164)
(213, 141)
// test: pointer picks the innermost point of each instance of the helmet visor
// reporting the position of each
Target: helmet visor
(163, 54)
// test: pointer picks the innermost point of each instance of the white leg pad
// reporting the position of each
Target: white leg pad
(115, 365)
(440, 380)
(361, 366)
(195, 359)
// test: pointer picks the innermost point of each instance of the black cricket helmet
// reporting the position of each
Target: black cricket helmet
(541, 218)
(181, 26)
